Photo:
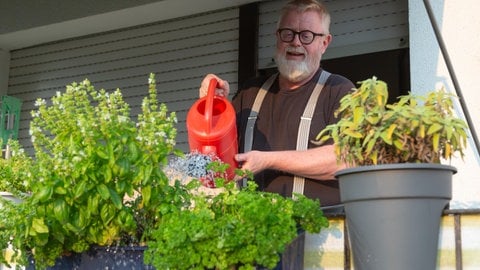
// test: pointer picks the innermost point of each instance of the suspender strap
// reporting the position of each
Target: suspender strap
(304, 127)
(252, 118)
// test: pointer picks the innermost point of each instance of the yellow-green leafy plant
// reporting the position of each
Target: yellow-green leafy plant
(97, 176)
(416, 129)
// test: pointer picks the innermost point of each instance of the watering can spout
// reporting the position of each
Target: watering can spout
(211, 127)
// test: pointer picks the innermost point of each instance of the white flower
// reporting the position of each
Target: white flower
(107, 117)
(122, 119)
(39, 102)
(35, 114)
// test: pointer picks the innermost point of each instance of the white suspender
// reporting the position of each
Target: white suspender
(304, 127)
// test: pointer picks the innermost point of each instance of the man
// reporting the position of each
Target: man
(272, 152)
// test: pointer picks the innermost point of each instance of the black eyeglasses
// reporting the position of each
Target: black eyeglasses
(306, 37)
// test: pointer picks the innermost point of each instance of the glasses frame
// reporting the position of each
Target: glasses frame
(295, 33)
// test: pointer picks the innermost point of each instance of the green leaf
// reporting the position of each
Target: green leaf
(80, 189)
(374, 157)
(436, 141)
(44, 194)
(421, 131)
(92, 204)
(132, 151)
(387, 139)
(117, 201)
(358, 115)
(146, 194)
(398, 144)
(370, 145)
(434, 128)
(148, 169)
(60, 190)
(103, 191)
(352, 133)
(38, 226)
(390, 131)
(60, 210)
(101, 153)
(107, 172)
(107, 213)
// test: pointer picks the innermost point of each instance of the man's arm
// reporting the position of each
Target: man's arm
(317, 163)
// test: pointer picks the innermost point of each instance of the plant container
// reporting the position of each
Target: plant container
(112, 258)
(393, 213)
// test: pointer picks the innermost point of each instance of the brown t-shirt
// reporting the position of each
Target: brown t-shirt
(277, 125)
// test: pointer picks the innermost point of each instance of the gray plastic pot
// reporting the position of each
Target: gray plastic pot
(393, 213)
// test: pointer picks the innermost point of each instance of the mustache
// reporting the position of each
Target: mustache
(291, 49)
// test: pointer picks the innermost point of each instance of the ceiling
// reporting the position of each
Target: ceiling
(25, 23)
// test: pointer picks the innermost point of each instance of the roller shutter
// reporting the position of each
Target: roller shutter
(180, 52)
(358, 27)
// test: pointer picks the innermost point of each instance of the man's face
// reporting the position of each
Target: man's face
(297, 61)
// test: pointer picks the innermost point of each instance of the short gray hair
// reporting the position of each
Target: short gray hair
(306, 5)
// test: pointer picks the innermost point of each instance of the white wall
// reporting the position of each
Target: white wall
(4, 70)
(459, 23)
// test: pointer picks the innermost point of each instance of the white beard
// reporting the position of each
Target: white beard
(296, 71)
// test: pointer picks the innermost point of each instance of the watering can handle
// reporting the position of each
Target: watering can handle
(209, 104)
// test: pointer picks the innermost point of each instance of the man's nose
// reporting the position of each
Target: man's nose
(296, 40)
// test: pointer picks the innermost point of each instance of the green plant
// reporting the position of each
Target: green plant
(414, 129)
(241, 228)
(98, 176)
(12, 219)
(14, 169)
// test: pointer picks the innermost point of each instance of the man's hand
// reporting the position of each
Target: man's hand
(223, 89)
(253, 161)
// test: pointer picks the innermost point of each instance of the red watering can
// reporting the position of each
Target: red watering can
(212, 129)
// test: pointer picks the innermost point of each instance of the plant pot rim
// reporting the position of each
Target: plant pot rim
(397, 166)
(114, 248)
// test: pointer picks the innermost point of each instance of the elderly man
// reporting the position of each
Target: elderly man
(289, 109)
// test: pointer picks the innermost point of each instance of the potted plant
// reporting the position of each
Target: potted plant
(98, 186)
(395, 189)
(97, 177)
(233, 229)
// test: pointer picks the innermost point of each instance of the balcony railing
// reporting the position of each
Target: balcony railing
(459, 243)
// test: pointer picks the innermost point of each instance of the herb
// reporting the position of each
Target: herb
(241, 228)
(97, 175)
(414, 129)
